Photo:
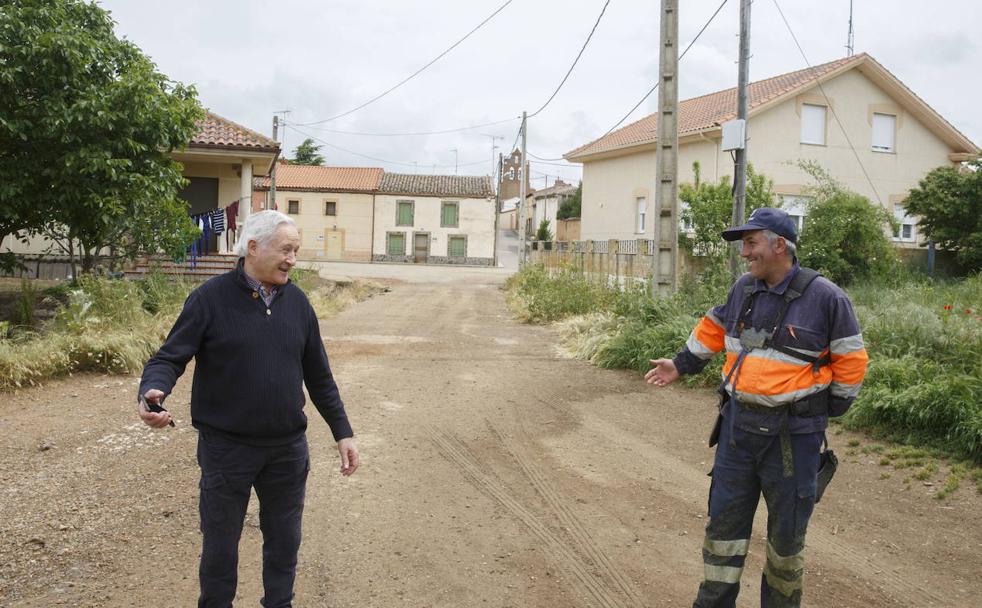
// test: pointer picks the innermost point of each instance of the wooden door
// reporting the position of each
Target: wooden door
(332, 244)
(421, 247)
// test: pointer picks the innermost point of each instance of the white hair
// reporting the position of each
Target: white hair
(791, 248)
(260, 227)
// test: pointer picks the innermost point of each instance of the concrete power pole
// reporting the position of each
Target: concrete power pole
(271, 199)
(522, 253)
(664, 263)
(740, 167)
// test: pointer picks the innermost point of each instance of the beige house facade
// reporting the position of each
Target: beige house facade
(850, 116)
(436, 219)
(332, 207)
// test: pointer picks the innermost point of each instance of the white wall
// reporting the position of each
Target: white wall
(475, 215)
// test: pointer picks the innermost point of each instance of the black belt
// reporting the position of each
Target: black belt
(813, 405)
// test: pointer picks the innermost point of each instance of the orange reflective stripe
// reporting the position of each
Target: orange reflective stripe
(851, 367)
(710, 334)
(772, 378)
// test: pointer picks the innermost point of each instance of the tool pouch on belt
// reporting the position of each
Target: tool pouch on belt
(827, 463)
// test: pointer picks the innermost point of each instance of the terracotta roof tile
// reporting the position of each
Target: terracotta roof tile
(215, 131)
(312, 178)
(471, 186)
(711, 110)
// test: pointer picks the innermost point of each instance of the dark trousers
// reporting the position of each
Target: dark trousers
(752, 466)
(229, 471)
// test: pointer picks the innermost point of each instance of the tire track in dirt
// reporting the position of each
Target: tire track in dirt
(458, 454)
(577, 531)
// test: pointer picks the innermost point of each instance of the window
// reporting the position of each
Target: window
(813, 124)
(642, 206)
(293, 207)
(449, 214)
(457, 247)
(797, 208)
(884, 132)
(906, 231)
(686, 225)
(404, 213)
(330, 208)
(395, 243)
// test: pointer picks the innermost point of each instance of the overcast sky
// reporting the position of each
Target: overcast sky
(320, 58)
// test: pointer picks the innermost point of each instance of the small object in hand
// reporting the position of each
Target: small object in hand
(153, 407)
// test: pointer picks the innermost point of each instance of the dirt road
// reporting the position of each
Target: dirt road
(494, 474)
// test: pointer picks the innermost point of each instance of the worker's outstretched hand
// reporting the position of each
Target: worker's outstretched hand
(662, 372)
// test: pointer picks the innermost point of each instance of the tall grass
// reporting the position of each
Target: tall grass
(113, 326)
(924, 338)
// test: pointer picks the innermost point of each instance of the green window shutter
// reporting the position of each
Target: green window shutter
(449, 215)
(397, 244)
(457, 247)
(405, 214)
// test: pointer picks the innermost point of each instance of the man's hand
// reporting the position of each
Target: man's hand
(662, 372)
(157, 420)
(349, 456)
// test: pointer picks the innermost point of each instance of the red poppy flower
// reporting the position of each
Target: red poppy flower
(947, 307)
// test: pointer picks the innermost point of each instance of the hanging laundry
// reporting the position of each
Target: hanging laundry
(218, 221)
(230, 216)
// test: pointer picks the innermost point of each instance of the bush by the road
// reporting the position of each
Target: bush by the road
(924, 338)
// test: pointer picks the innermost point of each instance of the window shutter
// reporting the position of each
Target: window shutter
(813, 124)
(884, 132)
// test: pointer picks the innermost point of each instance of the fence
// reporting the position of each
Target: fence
(614, 261)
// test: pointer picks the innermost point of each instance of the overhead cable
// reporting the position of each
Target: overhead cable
(390, 162)
(652, 90)
(578, 55)
(829, 105)
(411, 76)
(408, 133)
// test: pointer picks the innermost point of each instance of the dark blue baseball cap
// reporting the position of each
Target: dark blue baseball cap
(766, 218)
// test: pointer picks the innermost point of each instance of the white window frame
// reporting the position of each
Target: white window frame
(797, 208)
(906, 221)
(813, 124)
(641, 209)
(884, 137)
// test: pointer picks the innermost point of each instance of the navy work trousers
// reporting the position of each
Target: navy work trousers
(744, 469)
(229, 471)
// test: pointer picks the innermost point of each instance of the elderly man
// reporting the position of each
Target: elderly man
(256, 342)
(794, 357)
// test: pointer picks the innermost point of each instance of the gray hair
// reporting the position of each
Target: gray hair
(260, 227)
(792, 249)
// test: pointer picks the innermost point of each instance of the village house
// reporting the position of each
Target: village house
(439, 219)
(830, 114)
(333, 208)
(544, 205)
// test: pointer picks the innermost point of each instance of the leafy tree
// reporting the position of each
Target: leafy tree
(307, 153)
(543, 233)
(571, 205)
(949, 202)
(845, 235)
(709, 209)
(86, 127)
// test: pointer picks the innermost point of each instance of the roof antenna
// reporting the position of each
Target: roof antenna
(850, 43)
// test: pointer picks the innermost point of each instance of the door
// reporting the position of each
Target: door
(332, 244)
(421, 247)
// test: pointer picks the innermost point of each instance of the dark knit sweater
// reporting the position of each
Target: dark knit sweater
(251, 362)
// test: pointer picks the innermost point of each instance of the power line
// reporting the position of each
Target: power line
(413, 75)
(383, 160)
(408, 133)
(648, 94)
(578, 55)
(829, 105)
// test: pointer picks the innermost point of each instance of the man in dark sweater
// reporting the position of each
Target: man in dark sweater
(256, 342)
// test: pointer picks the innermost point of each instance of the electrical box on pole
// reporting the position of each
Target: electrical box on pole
(734, 135)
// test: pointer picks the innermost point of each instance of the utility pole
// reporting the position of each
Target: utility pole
(271, 199)
(740, 167)
(522, 254)
(497, 206)
(454, 150)
(664, 261)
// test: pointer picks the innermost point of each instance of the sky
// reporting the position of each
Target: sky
(250, 59)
